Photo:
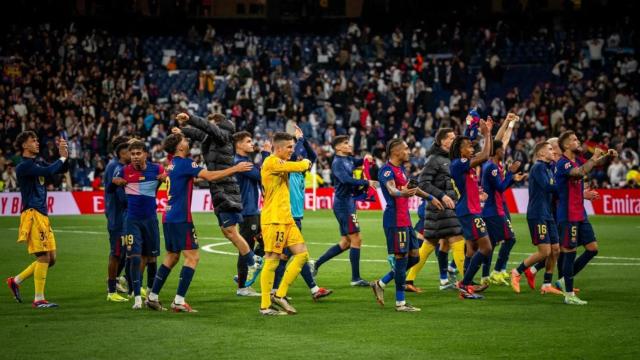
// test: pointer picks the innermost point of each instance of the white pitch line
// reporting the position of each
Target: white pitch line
(597, 257)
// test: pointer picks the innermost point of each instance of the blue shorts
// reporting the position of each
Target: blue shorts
(473, 227)
(179, 236)
(348, 221)
(116, 248)
(419, 227)
(401, 240)
(143, 237)
(577, 233)
(298, 222)
(499, 228)
(543, 231)
(226, 219)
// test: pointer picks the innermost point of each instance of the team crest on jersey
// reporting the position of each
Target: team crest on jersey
(254, 227)
(170, 167)
(567, 165)
(194, 165)
(41, 180)
(387, 173)
(464, 160)
(494, 172)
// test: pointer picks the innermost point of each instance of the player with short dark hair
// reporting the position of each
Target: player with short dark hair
(495, 181)
(574, 227)
(35, 228)
(177, 223)
(396, 222)
(463, 171)
(115, 209)
(542, 225)
(278, 227)
(344, 207)
(141, 179)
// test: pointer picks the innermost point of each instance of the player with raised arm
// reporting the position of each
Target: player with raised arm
(216, 136)
(278, 227)
(344, 207)
(35, 228)
(494, 213)
(463, 171)
(401, 239)
(177, 223)
(574, 227)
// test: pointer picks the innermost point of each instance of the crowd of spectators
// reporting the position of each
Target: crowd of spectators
(90, 86)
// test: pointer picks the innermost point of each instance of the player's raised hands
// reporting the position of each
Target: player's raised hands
(598, 154)
(512, 117)
(298, 132)
(182, 118)
(243, 166)
(63, 148)
(612, 153)
(514, 166)
(267, 146)
(176, 130)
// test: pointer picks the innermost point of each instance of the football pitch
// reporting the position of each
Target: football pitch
(348, 324)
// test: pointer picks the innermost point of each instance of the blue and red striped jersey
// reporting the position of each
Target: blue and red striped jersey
(180, 190)
(396, 213)
(141, 189)
(466, 183)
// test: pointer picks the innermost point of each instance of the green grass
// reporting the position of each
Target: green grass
(349, 324)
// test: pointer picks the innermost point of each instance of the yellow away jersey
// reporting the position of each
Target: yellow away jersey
(275, 181)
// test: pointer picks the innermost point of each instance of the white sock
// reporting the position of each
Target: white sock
(17, 279)
(571, 293)
(444, 282)
(546, 285)
(315, 289)
(39, 297)
(179, 300)
(533, 269)
(138, 300)
(400, 303)
(382, 284)
(153, 296)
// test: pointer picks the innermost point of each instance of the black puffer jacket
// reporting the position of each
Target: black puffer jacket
(435, 179)
(217, 149)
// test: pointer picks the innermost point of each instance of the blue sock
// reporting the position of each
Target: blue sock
(560, 265)
(111, 285)
(306, 275)
(548, 277)
(474, 264)
(521, 268)
(466, 263)
(503, 254)
(248, 258)
(152, 269)
(400, 277)
(127, 275)
(453, 265)
(486, 264)
(388, 277)
(354, 258)
(135, 263)
(161, 277)
(332, 252)
(567, 270)
(282, 266)
(583, 260)
(442, 264)
(186, 274)
(540, 264)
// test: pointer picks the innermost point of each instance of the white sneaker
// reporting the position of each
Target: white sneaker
(121, 285)
(137, 306)
(247, 291)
